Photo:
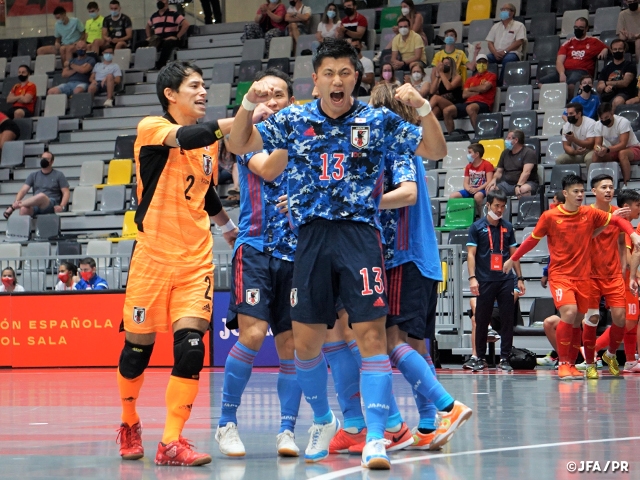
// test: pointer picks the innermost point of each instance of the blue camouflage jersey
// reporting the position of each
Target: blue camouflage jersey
(262, 225)
(408, 232)
(336, 165)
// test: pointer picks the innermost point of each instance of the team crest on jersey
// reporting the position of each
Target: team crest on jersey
(207, 164)
(253, 296)
(360, 136)
(294, 297)
(139, 315)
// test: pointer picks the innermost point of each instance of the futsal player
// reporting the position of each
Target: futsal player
(568, 228)
(336, 153)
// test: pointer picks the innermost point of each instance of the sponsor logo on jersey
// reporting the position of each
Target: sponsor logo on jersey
(379, 302)
(293, 297)
(139, 315)
(206, 308)
(253, 296)
(360, 136)
(207, 164)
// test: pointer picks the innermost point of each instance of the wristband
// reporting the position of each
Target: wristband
(247, 105)
(521, 278)
(424, 110)
(472, 276)
(227, 227)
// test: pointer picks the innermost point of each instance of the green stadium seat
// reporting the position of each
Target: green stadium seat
(460, 214)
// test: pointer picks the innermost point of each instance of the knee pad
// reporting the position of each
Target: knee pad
(134, 359)
(188, 354)
(591, 313)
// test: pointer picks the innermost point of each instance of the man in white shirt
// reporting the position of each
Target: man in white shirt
(298, 16)
(506, 39)
(368, 78)
(578, 136)
(615, 141)
(106, 75)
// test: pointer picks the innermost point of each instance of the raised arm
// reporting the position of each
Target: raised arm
(244, 137)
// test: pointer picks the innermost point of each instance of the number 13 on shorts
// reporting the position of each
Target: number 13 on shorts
(379, 282)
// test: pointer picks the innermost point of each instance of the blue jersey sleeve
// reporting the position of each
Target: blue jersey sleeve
(404, 137)
(400, 168)
(275, 131)
(473, 236)
(244, 159)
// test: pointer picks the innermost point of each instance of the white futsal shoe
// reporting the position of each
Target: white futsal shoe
(229, 441)
(321, 435)
(286, 444)
(374, 455)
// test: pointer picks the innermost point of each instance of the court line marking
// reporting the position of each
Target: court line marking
(348, 471)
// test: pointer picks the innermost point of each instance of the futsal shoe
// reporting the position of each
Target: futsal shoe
(592, 372)
(583, 366)
(130, 440)
(612, 362)
(342, 440)
(631, 367)
(397, 440)
(321, 435)
(286, 444)
(547, 361)
(423, 441)
(374, 455)
(575, 373)
(564, 372)
(450, 422)
(229, 440)
(180, 453)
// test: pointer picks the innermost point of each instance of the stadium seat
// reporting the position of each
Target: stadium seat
(247, 70)
(129, 227)
(460, 214)
(119, 173)
(484, 48)
(453, 181)
(594, 5)
(552, 96)
(459, 237)
(41, 82)
(456, 155)
(124, 146)
(386, 36)
(456, 25)
(303, 88)
(91, 172)
(554, 149)
(253, 49)
(55, 105)
(606, 168)
(317, 6)
(608, 36)
(67, 247)
(3, 67)
(303, 67)
(81, 105)
(12, 154)
(389, 17)
(541, 308)
(33, 281)
(527, 121)
(215, 113)
(26, 128)
(27, 47)
(45, 64)
(133, 199)
(553, 122)
(9, 251)
(432, 184)
(478, 10)
(36, 249)
(305, 42)
(534, 144)
(124, 251)
(280, 47)
(7, 48)
(518, 98)
(631, 113)
(145, 59)
(539, 252)
(281, 64)
(489, 125)
(479, 29)
(606, 19)
(570, 15)
(83, 200)
(122, 58)
(517, 73)
(47, 227)
(98, 248)
(542, 25)
(449, 12)
(18, 228)
(545, 49)
(563, 6)
(558, 172)
(492, 150)
(223, 72)
(464, 278)
(529, 211)
(15, 63)
(47, 129)
(113, 200)
(219, 94)
(8, 84)
(370, 15)
(435, 214)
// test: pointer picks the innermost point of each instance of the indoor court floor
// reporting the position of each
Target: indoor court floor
(61, 424)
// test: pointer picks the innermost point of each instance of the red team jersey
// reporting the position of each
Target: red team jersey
(605, 256)
(581, 54)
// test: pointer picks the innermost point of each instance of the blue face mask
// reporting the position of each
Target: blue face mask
(470, 157)
(448, 40)
(93, 14)
(508, 144)
(81, 52)
(331, 13)
(504, 15)
(273, 1)
(115, 13)
(107, 57)
(59, 22)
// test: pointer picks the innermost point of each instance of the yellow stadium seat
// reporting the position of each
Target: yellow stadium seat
(478, 10)
(129, 227)
(120, 172)
(442, 286)
(492, 150)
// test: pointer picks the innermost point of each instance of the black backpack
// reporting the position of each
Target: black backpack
(522, 359)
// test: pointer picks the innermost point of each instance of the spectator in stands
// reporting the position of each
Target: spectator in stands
(615, 141)
(9, 130)
(408, 10)
(479, 93)
(67, 276)
(212, 11)
(89, 280)
(23, 95)
(388, 75)
(77, 72)
(10, 282)
(587, 97)
(166, 30)
(369, 76)
(517, 170)
(67, 32)
(477, 175)
(268, 23)
(577, 57)
(450, 50)
(445, 87)
(298, 16)
(628, 28)
(617, 80)
(578, 136)
(419, 80)
(117, 29)
(50, 191)
(329, 24)
(106, 75)
(352, 25)
(407, 46)
(93, 27)
(506, 39)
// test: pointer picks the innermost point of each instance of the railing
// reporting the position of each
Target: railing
(449, 331)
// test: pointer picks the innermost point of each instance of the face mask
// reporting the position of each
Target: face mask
(618, 55)
(107, 57)
(481, 67)
(86, 276)
(404, 31)
(504, 15)
(572, 119)
(44, 163)
(7, 281)
(115, 13)
(446, 68)
(470, 158)
(23, 78)
(586, 89)
(348, 11)
(63, 277)
(493, 215)
(417, 76)
(292, 3)
(449, 40)
(160, 5)
(508, 144)
(331, 13)
(405, 11)
(633, 6)
(93, 14)
(59, 22)
(578, 32)
(606, 122)
(81, 52)
(387, 75)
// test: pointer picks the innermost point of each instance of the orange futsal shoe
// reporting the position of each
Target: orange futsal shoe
(399, 440)
(564, 372)
(342, 440)
(423, 441)
(130, 440)
(449, 424)
(575, 373)
(179, 453)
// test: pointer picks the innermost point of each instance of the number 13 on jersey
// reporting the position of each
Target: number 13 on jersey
(336, 163)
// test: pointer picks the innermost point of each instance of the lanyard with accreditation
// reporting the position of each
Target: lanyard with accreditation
(496, 258)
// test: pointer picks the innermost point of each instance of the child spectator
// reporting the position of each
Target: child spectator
(477, 174)
(9, 281)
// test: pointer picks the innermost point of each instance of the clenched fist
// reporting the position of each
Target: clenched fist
(260, 92)
(408, 95)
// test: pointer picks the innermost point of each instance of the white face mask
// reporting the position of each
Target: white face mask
(405, 12)
(404, 31)
(494, 215)
(417, 76)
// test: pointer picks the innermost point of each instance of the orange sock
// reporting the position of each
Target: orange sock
(603, 341)
(630, 340)
(129, 392)
(181, 392)
(576, 343)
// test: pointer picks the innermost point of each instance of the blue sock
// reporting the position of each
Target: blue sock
(416, 371)
(289, 393)
(312, 377)
(426, 408)
(376, 391)
(237, 371)
(355, 351)
(346, 378)
(395, 417)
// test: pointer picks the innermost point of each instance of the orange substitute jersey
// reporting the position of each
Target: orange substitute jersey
(568, 237)
(173, 225)
(605, 254)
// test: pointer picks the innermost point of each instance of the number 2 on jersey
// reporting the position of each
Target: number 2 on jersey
(337, 166)
(379, 287)
(190, 180)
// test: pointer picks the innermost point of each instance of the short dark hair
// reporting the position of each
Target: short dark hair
(477, 147)
(605, 107)
(275, 72)
(13, 274)
(403, 19)
(584, 77)
(59, 11)
(559, 196)
(70, 267)
(27, 67)
(171, 76)
(88, 261)
(618, 40)
(576, 106)
(519, 134)
(114, 2)
(571, 179)
(93, 6)
(599, 178)
(585, 20)
(627, 196)
(335, 48)
(448, 30)
(494, 195)
(351, 1)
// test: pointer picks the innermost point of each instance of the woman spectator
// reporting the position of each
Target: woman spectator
(269, 23)
(415, 18)
(388, 75)
(9, 281)
(446, 88)
(418, 79)
(328, 26)
(67, 276)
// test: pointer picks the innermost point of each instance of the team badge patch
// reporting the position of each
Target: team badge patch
(360, 136)
(207, 164)
(294, 297)
(253, 296)
(139, 315)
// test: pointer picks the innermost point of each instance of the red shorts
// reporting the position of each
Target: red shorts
(612, 289)
(567, 291)
(635, 149)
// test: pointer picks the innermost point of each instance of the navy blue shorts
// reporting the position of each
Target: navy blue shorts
(334, 259)
(260, 288)
(412, 301)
